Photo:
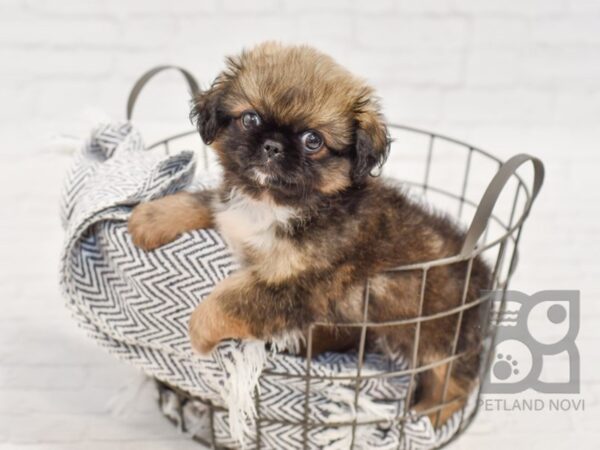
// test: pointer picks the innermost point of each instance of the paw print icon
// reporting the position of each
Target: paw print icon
(505, 367)
(535, 344)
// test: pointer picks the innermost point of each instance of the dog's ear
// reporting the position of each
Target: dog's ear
(372, 140)
(207, 113)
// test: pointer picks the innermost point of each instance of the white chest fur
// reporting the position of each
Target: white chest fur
(249, 223)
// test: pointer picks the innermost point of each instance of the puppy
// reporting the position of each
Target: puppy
(297, 137)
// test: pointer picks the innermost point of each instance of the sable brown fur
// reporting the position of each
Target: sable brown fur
(163, 220)
(311, 227)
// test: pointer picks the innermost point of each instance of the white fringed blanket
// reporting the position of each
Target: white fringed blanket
(137, 305)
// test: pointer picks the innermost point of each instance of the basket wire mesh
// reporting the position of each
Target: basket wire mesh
(451, 175)
(504, 244)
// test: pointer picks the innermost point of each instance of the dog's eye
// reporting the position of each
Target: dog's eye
(251, 120)
(312, 141)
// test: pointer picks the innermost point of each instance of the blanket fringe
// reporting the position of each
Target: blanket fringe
(248, 362)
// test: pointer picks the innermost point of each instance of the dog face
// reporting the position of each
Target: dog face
(290, 122)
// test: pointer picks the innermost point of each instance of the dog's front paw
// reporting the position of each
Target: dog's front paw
(209, 325)
(206, 327)
(150, 227)
(202, 342)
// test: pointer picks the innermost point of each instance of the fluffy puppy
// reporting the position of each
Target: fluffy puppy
(297, 137)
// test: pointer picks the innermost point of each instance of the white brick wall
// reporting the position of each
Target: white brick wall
(510, 76)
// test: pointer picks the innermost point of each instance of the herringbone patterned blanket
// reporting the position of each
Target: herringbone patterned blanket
(137, 304)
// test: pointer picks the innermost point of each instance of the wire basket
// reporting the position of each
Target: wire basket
(454, 177)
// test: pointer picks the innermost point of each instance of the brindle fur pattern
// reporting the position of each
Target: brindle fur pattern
(310, 229)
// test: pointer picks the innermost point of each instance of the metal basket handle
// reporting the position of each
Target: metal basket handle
(492, 193)
(143, 80)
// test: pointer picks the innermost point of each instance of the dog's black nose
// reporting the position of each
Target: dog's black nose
(272, 148)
